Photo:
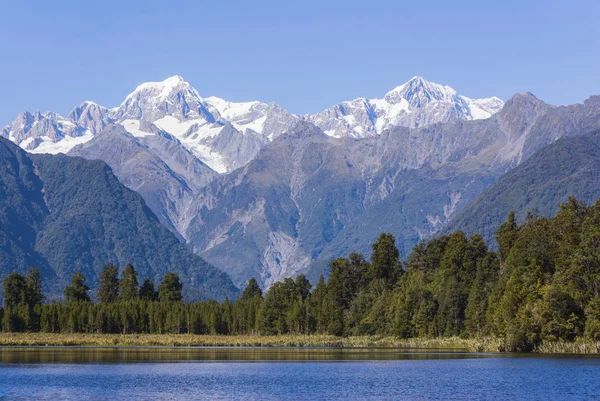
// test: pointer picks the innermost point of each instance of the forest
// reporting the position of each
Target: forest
(541, 285)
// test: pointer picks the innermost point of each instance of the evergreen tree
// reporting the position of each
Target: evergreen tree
(15, 290)
(506, 235)
(252, 290)
(108, 289)
(385, 259)
(128, 285)
(318, 319)
(77, 290)
(169, 289)
(147, 291)
(34, 287)
(302, 286)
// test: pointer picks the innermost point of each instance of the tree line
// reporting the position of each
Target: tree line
(541, 284)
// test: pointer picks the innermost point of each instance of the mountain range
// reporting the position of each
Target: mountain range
(261, 192)
(568, 167)
(227, 135)
(62, 214)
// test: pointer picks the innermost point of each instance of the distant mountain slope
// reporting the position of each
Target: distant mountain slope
(308, 197)
(155, 165)
(417, 103)
(63, 214)
(227, 135)
(570, 166)
(294, 191)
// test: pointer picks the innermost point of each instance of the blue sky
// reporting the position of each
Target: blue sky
(305, 55)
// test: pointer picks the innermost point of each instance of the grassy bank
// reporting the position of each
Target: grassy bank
(471, 345)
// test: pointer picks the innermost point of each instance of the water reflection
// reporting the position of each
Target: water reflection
(151, 354)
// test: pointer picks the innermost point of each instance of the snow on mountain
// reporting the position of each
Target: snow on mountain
(42, 132)
(267, 119)
(171, 97)
(417, 103)
(226, 135)
(91, 116)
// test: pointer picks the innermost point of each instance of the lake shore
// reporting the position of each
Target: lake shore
(488, 344)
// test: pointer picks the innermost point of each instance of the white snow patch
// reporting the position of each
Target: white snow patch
(178, 128)
(231, 110)
(190, 138)
(212, 159)
(256, 125)
(26, 142)
(62, 146)
(133, 127)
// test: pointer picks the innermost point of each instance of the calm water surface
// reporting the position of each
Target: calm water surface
(290, 374)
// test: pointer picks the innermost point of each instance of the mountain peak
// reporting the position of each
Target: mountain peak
(171, 97)
(174, 81)
(164, 88)
(418, 91)
(521, 99)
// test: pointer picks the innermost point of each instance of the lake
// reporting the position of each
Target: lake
(56, 373)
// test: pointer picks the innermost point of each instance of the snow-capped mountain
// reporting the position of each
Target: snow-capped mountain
(227, 135)
(417, 103)
(45, 132)
(295, 191)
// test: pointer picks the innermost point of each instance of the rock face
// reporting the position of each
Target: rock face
(156, 166)
(569, 167)
(417, 103)
(308, 197)
(227, 135)
(262, 192)
(63, 214)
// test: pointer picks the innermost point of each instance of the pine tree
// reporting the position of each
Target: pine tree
(129, 284)
(108, 290)
(34, 287)
(252, 290)
(15, 289)
(385, 259)
(169, 289)
(318, 318)
(77, 290)
(506, 235)
(147, 291)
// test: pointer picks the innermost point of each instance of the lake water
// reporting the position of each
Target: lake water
(291, 374)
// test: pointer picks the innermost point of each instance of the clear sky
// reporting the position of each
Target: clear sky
(304, 55)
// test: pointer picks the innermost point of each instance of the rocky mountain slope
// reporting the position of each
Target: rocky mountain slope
(157, 166)
(417, 103)
(63, 214)
(308, 197)
(569, 167)
(296, 191)
(227, 135)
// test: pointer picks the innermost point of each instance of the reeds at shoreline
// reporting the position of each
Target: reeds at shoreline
(486, 344)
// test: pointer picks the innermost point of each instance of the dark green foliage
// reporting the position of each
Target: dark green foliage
(543, 285)
(128, 285)
(147, 291)
(14, 290)
(34, 287)
(108, 290)
(64, 214)
(252, 290)
(19, 289)
(568, 167)
(77, 291)
(169, 289)
(506, 235)
(385, 259)
(23, 299)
